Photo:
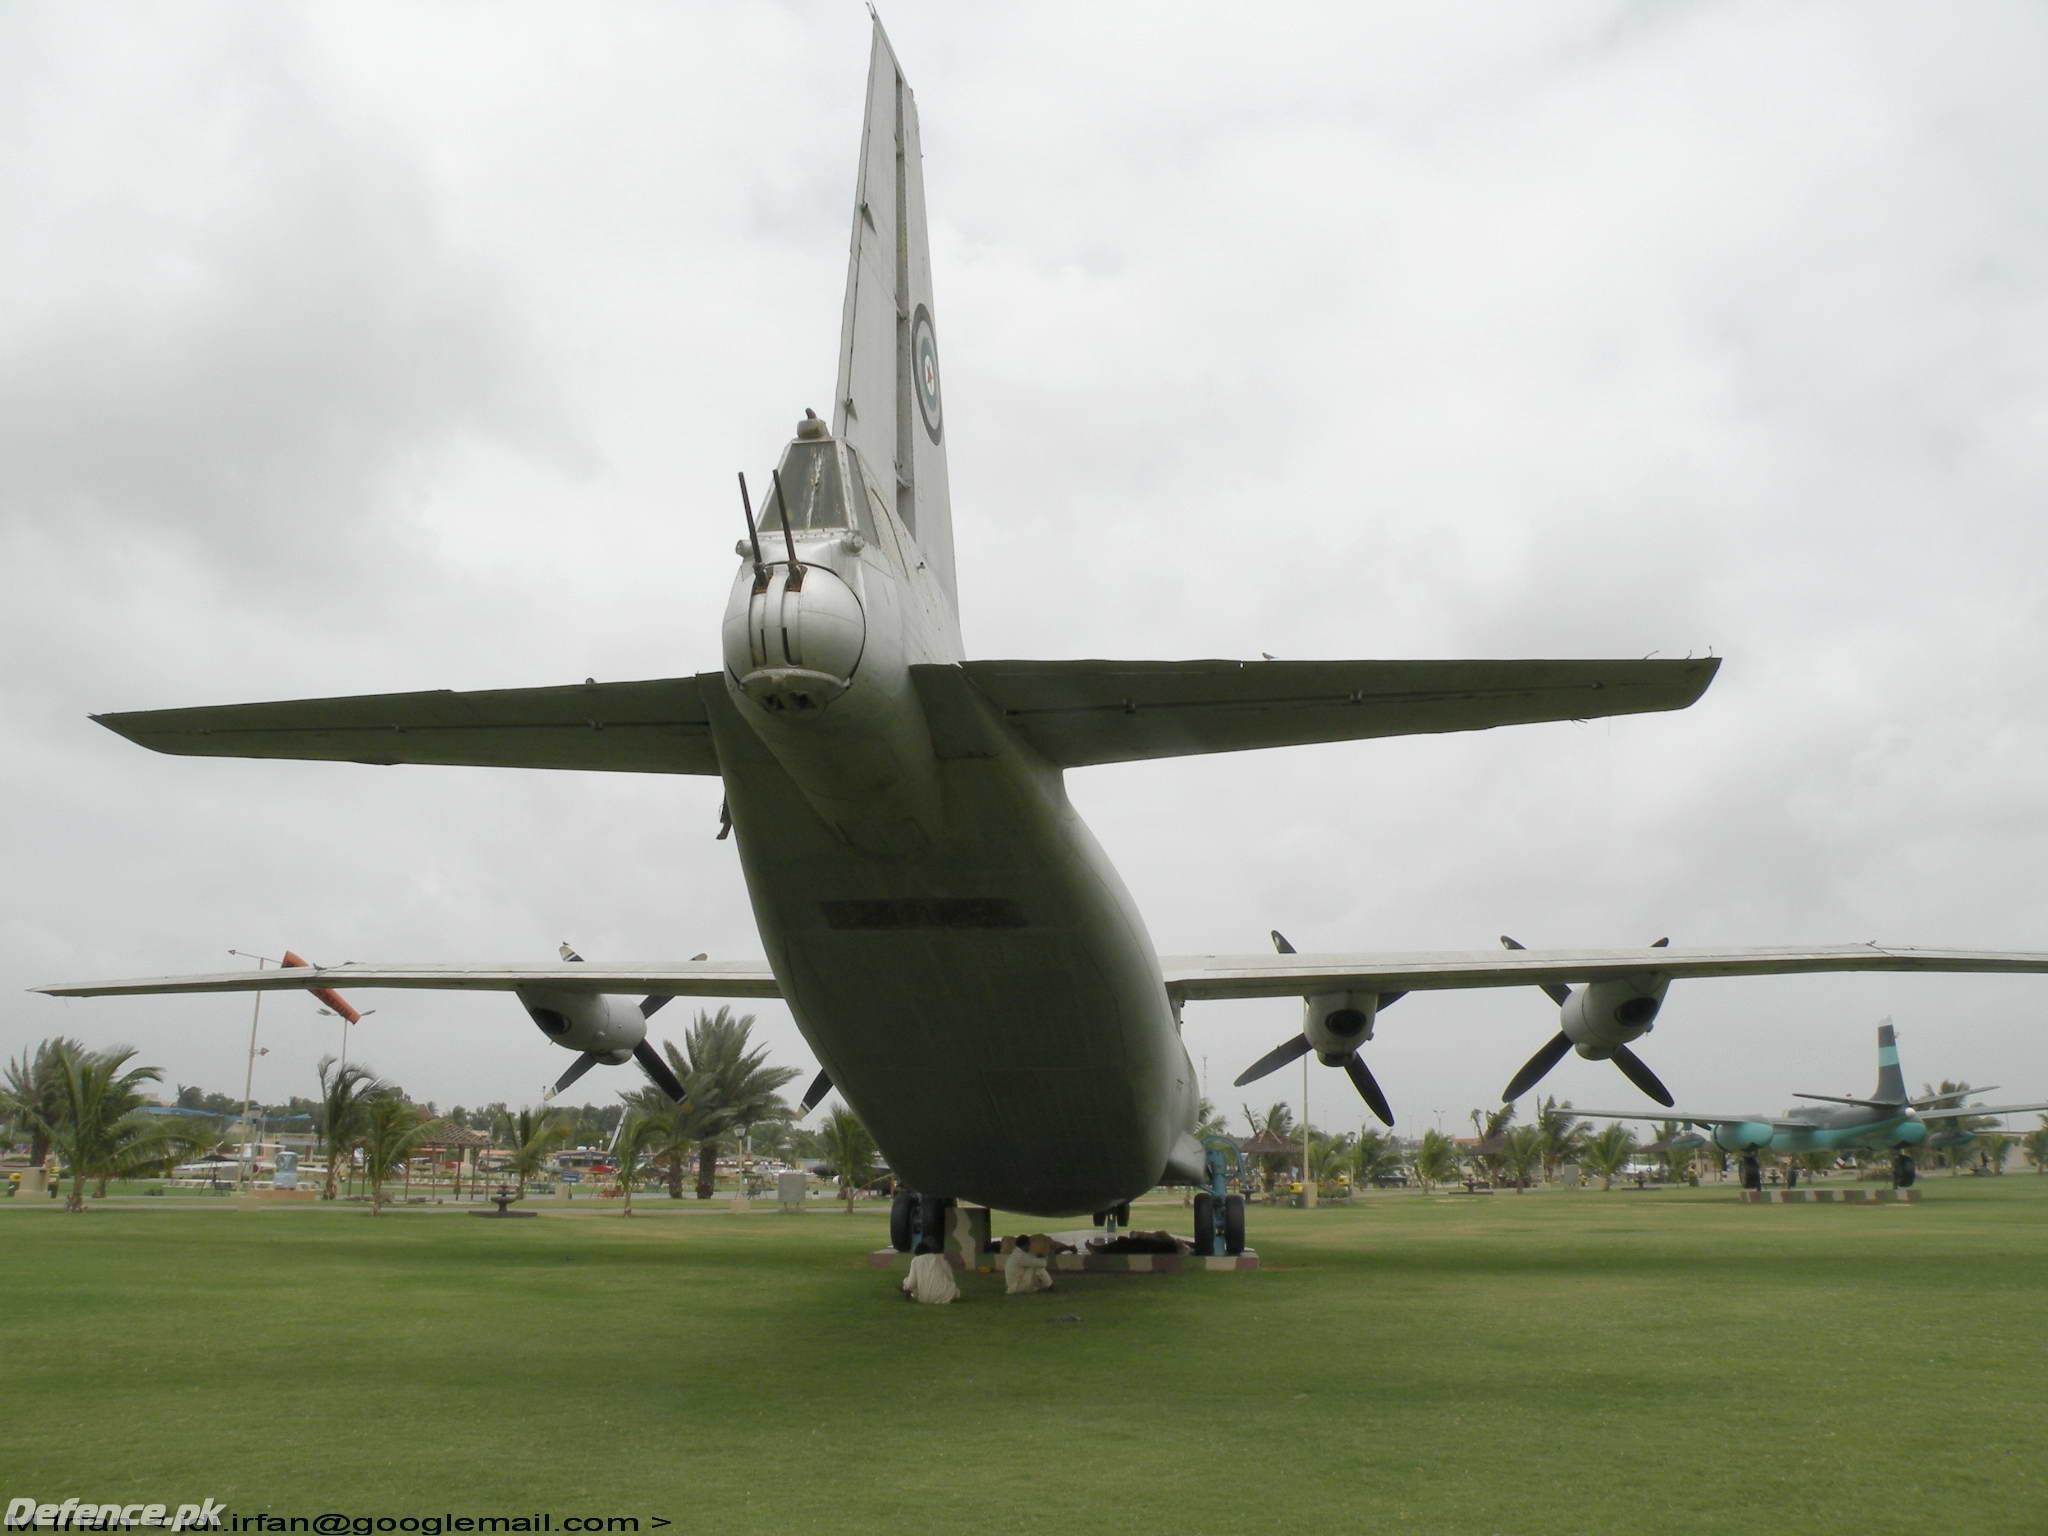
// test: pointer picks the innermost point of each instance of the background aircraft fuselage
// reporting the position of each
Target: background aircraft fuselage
(1824, 1129)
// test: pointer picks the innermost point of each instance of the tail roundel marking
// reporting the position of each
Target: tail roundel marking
(924, 354)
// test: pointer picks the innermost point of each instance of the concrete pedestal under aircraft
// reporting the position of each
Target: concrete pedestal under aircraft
(953, 943)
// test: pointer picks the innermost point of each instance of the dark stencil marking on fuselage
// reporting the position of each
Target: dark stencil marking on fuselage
(924, 912)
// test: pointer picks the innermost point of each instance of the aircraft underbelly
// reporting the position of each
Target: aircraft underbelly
(992, 1007)
(1002, 1069)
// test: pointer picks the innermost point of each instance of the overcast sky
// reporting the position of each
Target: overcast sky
(376, 347)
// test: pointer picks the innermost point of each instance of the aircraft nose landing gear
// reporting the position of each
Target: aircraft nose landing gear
(1112, 1220)
(1219, 1215)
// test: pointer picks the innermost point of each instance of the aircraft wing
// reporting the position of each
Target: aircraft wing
(1079, 712)
(657, 726)
(1202, 977)
(1983, 1109)
(1690, 1117)
(699, 978)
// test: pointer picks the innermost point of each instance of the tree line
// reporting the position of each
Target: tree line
(90, 1107)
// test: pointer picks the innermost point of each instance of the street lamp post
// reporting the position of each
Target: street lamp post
(345, 1022)
(244, 1159)
(1308, 1188)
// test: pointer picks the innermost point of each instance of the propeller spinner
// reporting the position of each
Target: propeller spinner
(1334, 1025)
(1631, 1013)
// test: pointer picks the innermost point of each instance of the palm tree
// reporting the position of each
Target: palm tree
(731, 1083)
(1373, 1157)
(1278, 1119)
(2036, 1143)
(391, 1130)
(1608, 1153)
(345, 1093)
(1564, 1135)
(1672, 1161)
(32, 1093)
(683, 1126)
(640, 1135)
(532, 1136)
(1328, 1154)
(1490, 1128)
(1522, 1153)
(97, 1130)
(1994, 1148)
(1950, 1096)
(1436, 1160)
(849, 1151)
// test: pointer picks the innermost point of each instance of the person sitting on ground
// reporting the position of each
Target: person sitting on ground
(930, 1280)
(1026, 1269)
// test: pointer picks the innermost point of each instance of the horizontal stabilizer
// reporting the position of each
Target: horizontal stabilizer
(657, 726)
(698, 978)
(1263, 975)
(1075, 713)
(1980, 1109)
(1936, 1100)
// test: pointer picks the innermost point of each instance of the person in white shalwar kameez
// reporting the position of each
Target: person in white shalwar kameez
(1025, 1271)
(930, 1280)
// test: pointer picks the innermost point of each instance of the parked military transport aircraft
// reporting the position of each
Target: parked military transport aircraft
(952, 942)
(1888, 1118)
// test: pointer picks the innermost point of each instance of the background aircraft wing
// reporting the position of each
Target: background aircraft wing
(697, 978)
(1078, 712)
(657, 726)
(1270, 975)
(1983, 1109)
(1656, 1114)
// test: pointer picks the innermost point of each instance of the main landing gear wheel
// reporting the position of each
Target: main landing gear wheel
(902, 1218)
(1903, 1172)
(932, 1211)
(1752, 1172)
(1233, 1224)
(1205, 1223)
(1792, 1176)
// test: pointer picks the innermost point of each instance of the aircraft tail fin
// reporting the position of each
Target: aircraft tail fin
(889, 405)
(1891, 1082)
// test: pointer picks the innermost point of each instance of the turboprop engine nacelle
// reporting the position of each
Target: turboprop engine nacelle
(1337, 1023)
(1607, 1014)
(606, 1027)
(1743, 1136)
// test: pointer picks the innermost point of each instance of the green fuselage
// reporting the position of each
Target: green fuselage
(1828, 1129)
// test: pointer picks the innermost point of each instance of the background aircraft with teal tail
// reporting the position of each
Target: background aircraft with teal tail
(1890, 1117)
(955, 946)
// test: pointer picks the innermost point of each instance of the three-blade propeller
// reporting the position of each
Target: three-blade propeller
(1293, 1050)
(1554, 1050)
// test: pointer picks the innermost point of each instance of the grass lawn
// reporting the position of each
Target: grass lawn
(1549, 1362)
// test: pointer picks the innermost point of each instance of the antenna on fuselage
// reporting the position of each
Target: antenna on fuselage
(753, 539)
(796, 569)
